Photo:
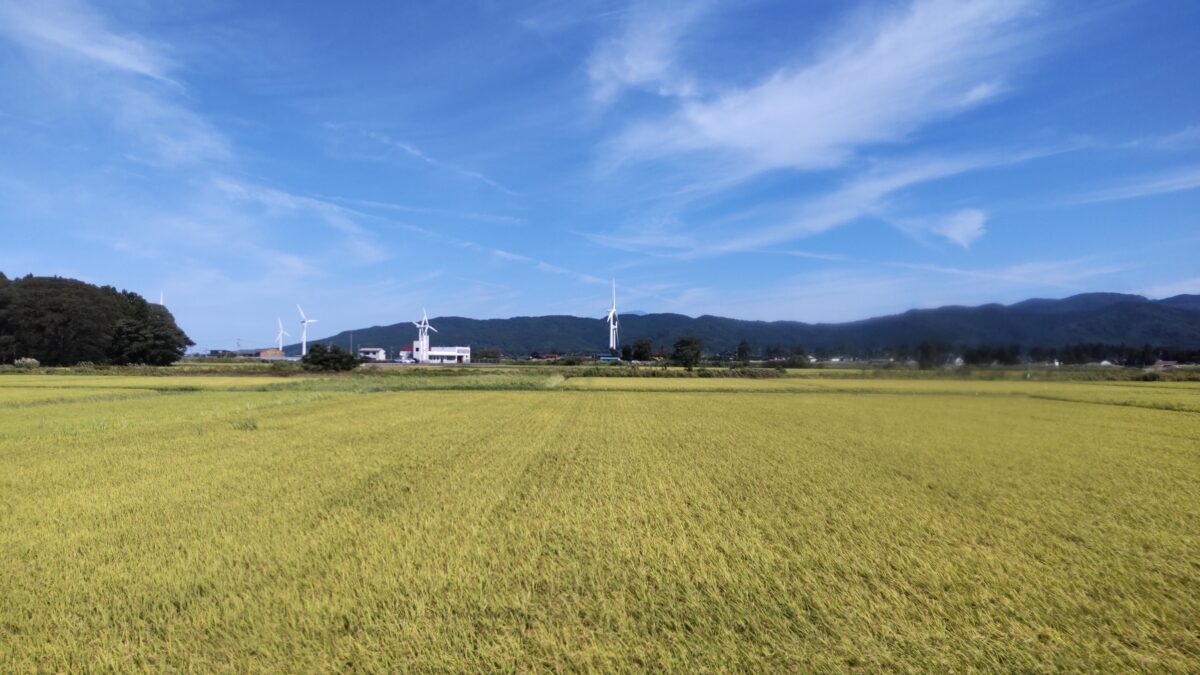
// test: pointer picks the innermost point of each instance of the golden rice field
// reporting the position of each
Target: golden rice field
(238, 524)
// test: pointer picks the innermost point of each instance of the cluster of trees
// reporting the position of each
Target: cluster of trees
(774, 352)
(1125, 355)
(687, 351)
(641, 350)
(987, 355)
(63, 322)
(334, 358)
(931, 354)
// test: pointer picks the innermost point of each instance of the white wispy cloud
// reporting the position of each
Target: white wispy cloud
(643, 54)
(129, 76)
(1184, 138)
(73, 29)
(1060, 274)
(962, 227)
(866, 194)
(418, 154)
(881, 81)
(172, 133)
(541, 265)
(404, 208)
(1180, 180)
(882, 78)
(358, 239)
(1190, 286)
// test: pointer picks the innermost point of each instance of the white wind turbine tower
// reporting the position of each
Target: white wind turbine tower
(281, 333)
(423, 328)
(304, 321)
(612, 320)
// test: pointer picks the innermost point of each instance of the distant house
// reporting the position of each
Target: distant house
(373, 353)
(270, 353)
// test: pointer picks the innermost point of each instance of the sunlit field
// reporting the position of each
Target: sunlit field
(516, 520)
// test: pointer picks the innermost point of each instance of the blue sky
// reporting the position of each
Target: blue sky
(817, 161)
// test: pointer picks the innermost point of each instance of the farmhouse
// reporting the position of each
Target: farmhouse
(373, 353)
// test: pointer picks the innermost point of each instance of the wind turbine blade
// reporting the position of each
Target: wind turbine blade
(432, 329)
(302, 317)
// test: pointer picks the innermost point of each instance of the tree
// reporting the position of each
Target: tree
(8, 341)
(743, 351)
(687, 351)
(63, 321)
(626, 353)
(150, 336)
(643, 349)
(778, 351)
(320, 357)
(926, 355)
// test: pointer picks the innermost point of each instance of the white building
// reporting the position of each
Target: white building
(373, 353)
(438, 355)
(423, 353)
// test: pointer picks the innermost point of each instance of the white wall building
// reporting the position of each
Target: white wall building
(436, 355)
(373, 353)
(423, 353)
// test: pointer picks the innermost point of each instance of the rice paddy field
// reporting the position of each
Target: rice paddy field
(526, 521)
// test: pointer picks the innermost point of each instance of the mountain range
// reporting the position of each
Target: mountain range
(1111, 318)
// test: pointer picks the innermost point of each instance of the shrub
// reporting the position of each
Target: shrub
(320, 357)
(27, 364)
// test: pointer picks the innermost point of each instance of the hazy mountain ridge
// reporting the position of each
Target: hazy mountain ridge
(1111, 318)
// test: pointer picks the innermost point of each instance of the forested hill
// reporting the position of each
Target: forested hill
(1111, 318)
(62, 322)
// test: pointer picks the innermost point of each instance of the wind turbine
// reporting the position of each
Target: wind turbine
(280, 334)
(304, 321)
(423, 329)
(612, 320)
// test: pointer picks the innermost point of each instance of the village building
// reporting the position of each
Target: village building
(373, 353)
